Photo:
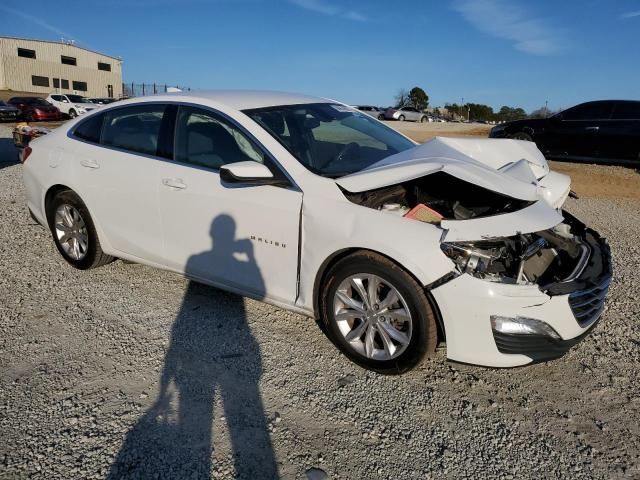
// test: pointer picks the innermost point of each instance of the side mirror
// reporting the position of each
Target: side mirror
(249, 173)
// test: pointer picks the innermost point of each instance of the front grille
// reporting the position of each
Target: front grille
(587, 305)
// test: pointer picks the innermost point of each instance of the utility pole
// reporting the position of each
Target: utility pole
(546, 109)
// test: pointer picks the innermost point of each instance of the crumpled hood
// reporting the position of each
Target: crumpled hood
(510, 167)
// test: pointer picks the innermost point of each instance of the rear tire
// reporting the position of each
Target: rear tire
(74, 233)
(380, 117)
(409, 322)
(522, 136)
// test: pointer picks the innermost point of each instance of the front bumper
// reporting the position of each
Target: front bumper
(496, 132)
(571, 308)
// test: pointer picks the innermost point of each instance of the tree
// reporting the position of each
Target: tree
(508, 114)
(479, 111)
(418, 98)
(402, 98)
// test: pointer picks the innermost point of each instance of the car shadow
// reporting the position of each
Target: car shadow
(212, 356)
(8, 153)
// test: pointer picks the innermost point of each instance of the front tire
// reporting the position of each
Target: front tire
(74, 232)
(72, 113)
(401, 118)
(522, 136)
(423, 119)
(377, 314)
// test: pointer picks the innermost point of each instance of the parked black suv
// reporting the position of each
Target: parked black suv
(605, 130)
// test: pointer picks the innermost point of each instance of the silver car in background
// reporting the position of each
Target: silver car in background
(375, 112)
(410, 114)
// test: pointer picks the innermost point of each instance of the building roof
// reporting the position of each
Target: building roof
(61, 43)
(245, 99)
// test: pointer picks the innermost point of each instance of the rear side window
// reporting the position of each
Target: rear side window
(135, 128)
(90, 129)
(626, 111)
(588, 111)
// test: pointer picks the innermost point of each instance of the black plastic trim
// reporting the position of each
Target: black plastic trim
(539, 348)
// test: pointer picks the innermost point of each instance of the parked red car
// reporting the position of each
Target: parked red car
(35, 108)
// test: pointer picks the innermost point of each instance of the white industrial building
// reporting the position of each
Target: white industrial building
(42, 67)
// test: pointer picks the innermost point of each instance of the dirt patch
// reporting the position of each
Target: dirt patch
(601, 181)
(422, 132)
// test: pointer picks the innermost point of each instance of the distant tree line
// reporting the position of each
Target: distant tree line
(418, 98)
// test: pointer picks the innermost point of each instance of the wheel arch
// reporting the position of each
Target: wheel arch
(340, 254)
(48, 198)
(55, 189)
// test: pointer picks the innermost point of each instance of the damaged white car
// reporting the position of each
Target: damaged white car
(315, 207)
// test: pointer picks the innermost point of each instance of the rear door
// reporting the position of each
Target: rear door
(241, 236)
(118, 173)
(575, 132)
(620, 136)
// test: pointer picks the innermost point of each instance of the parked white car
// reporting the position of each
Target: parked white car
(310, 205)
(72, 105)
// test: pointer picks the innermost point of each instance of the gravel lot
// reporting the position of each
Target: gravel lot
(129, 372)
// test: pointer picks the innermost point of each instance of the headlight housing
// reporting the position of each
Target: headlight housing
(476, 258)
(521, 259)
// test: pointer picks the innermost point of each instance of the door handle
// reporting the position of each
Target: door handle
(89, 163)
(592, 129)
(176, 183)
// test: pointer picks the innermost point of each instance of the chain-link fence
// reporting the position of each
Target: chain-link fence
(143, 89)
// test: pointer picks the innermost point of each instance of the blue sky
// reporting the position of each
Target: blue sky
(498, 52)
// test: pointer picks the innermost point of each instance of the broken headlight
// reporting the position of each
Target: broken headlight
(520, 259)
(479, 259)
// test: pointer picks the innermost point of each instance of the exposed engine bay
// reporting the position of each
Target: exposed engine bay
(445, 194)
(542, 258)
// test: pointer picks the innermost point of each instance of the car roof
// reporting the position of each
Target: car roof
(240, 99)
(26, 98)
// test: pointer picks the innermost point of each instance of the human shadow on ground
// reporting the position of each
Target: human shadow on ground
(212, 355)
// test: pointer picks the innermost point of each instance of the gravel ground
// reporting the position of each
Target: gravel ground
(129, 372)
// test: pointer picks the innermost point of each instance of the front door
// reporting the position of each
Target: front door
(620, 136)
(242, 237)
(575, 132)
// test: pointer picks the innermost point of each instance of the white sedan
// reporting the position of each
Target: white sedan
(315, 207)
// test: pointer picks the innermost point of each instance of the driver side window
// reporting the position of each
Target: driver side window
(204, 139)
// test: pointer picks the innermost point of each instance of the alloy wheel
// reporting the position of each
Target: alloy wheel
(372, 316)
(71, 231)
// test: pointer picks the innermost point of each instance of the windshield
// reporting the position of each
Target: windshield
(330, 139)
(2, 104)
(77, 99)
